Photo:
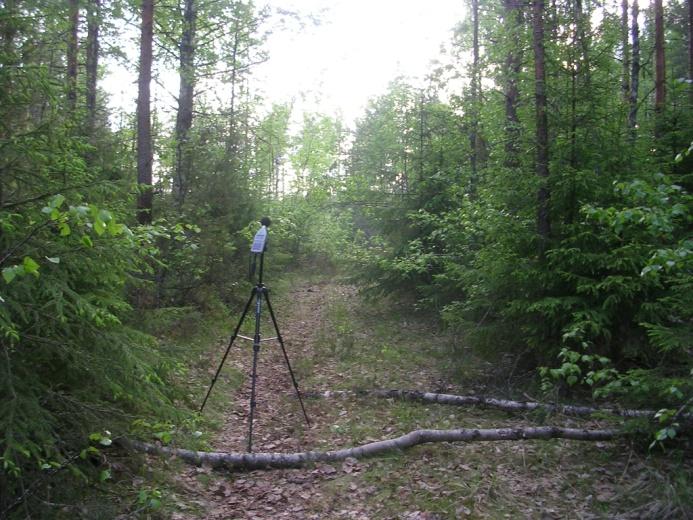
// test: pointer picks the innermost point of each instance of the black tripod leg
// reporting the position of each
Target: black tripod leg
(233, 338)
(256, 350)
(286, 357)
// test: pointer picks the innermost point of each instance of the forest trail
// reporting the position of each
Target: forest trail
(335, 340)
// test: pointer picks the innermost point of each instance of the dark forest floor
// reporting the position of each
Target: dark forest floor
(336, 340)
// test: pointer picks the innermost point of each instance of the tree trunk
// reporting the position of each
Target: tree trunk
(690, 50)
(513, 65)
(542, 133)
(475, 88)
(660, 68)
(144, 124)
(9, 59)
(422, 138)
(625, 53)
(73, 20)
(249, 461)
(232, 142)
(634, 72)
(582, 30)
(92, 66)
(185, 103)
(580, 76)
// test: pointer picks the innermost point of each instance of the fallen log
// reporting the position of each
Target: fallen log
(490, 402)
(292, 460)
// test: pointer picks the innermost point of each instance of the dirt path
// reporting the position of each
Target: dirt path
(336, 342)
(279, 424)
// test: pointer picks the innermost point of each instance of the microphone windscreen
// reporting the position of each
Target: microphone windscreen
(265, 221)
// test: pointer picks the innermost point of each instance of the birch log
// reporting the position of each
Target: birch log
(249, 461)
(502, 404)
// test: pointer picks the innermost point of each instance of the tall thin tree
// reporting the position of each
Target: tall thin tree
(625, 52)
(72, 50)
(475, 92)
(660, 67)
(689, 4)
(634, 71)
(144, 124)
(184, 117)
(512, 15)
(92, 62)
(542, 125)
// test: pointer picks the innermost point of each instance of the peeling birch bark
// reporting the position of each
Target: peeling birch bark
(293, 460)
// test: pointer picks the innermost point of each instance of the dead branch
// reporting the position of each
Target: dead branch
(502, 404)
(414, 438)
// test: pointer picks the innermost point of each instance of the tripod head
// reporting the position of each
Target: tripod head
(259, 247)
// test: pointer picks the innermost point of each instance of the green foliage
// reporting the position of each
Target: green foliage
(609, 297)
(605, 304)
(70, 363)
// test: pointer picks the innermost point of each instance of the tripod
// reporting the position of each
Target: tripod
(259, 292)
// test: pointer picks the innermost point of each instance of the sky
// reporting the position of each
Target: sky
(356, 50)
(333, 67)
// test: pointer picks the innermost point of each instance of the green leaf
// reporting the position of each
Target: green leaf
(99, 227)
(90, 450)
(86, 240)
(64, 229)
(30, 266)
(105, 215)
(57, 201)
(9, 273)
(164, 436)
(53, 259)
(114, 229)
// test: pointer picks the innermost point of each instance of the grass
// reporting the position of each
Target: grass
(388, 347)
(380, 344)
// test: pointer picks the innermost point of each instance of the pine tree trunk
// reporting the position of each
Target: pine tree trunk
(144, 124)
(513, 65)
(660, 68)
(634, 72)
(92, 65)
(185, 103)
(542, 133)
(73, 20)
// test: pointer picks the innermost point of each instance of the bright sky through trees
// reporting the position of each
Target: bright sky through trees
(336, 65)
(358, 47)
